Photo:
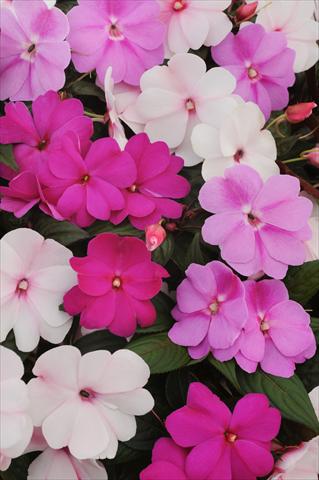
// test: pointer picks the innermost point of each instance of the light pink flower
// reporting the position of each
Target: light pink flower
(115, 126)
(180, 95)
(120, 33)
(87, 403)
(193, 23)
(258, 226)
(34, 52)
(35, 274)
(168, 462)
(312, 246)
(154, 236)
(15, 420)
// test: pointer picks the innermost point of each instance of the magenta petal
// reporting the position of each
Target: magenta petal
(75, 301)
(203, 458)
(145, 312)
(200, 397)
(94, 285)
(100, 312)
(124, 322)
(138, 205)
(276, 363)
(162, 469)
(263, 460)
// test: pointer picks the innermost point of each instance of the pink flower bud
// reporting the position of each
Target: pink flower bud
(313, 156)
(299, 112)
(154, 236)
(246, 11)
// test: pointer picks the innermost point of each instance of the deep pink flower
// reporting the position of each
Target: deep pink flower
(258, 226)
(277, 334)
(225, 443)
(34, 52)
(168, 462)
(211, 309)
(116, 281)
(148, 197)
(41, 133)
(85, 188)
(120, 33)
(262, 65)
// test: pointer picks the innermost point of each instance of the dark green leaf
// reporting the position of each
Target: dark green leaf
(125, 228)
(309, 372)
(228, 369)
(315, 327)
(163, 305)
(165, 251)
(303, 282)
(84, 87)
(7, 157)
(148, 431)
(159, 352)
(100, 340)
(176, 387)
(63, 232)
(287, 394)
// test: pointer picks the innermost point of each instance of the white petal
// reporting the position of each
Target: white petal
(10, 316)
(216, 83)
(195, 26)
(188, 70)
(93, 367)
(51, 254)
(185, 149)
(11, 366)
(205, 141)
(45, 397)
(171, 129)
(136, 402)
(65, 417)
(51, 366)
(52, 464)
(26, 328)
(156, 103)
(25, 242)
(176, 39)
(46, 304)
(215, 167)
(220, 26)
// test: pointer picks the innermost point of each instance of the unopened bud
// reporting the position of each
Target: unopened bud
(246, 11)
(299, 112)
(313, 156)
(154, 236)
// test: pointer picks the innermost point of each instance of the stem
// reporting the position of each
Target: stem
(280, 118)
(78, 79)
(309, 134)
(291, 160)
(158, 418)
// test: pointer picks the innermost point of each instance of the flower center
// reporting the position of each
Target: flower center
(133, 188)
(31, 48)
(253, 221)
(23, 285)
(230, 437)
(85, 178)
(117, 282)
(264, 326)
(42, 144)
(252, 73)
(86, 394)
(214, 307)
(115, 33)
(190, 105)
(179, 5)
(238, 155)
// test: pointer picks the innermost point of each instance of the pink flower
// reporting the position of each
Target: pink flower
(211, 309)
(224, 443)
(120, 33)
(168, 462)
(87, 403)
(154, 236)
(34, 52)
(299, 112)
(156, 181)
(258, 226)
(312, 246)
(16, 423)
(35, 274)
(262, 65)
(42, 132)
(115, 284)
(192, 23)
(85, 188)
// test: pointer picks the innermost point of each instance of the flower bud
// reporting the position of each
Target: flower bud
(313, 156)
(299, 112)
(246, 11)
(154, 236)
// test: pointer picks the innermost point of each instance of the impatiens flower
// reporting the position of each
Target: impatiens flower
(35, 274)
(294, 18)
(211, 309)
(312, 246)
(36, 135)
(87, 403)
(85, 188)
(240, 139)
(262, 65)
(299, 112)
(193, 23)
(126, 35)
(180, 95)
(116, 281)
(154, 236)
(277, 333)
(168, 462)
(148, 197)
(34, 52)
(258, 226)
(225, 443)
(116, 129)
(16, 424)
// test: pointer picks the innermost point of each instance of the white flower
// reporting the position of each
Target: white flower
(312, 245)
(35, 274)
(239, 139)
(15, 420)
(116, 129)
(193, 23)
(295, 18)
(180, 95)
(87, 403)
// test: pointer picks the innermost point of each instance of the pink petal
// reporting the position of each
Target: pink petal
(124, 322)
(166, 449)
(190, 300)
(276, 363)
(204, 458)
(263, 460)
(190, 331)
(283, 246)
(100, 312)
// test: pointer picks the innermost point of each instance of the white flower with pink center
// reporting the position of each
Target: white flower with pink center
(88, 403)
(35, 274)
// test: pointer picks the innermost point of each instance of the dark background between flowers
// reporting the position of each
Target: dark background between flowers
(171, 368)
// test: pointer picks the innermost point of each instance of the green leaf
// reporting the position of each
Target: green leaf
(176, 387)
(7, 157)
(228, 369)
(85, 87)
(303, 282)
(100, 340)
(125, 228)
(159, 352)
(63, 232)
(287, 394)
(163, 305)
(315, 327)
(165, 251)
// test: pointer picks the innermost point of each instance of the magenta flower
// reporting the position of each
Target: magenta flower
(262, 64)
(211, 309)
(116, 281)
(87, 188)
(148, 197)
(34, 52)
(277, 334)
(41, 133)
(168, 462)
(126, 35)
(225, 443)
(258, 226)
